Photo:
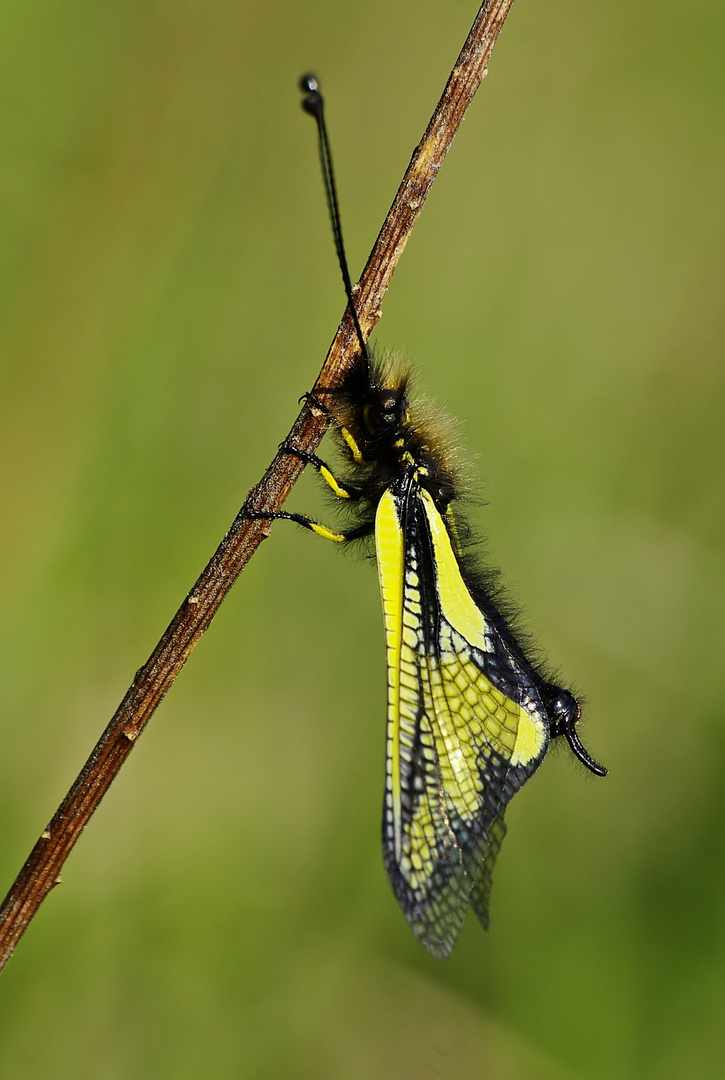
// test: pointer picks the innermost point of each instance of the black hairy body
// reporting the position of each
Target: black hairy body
(383, 436)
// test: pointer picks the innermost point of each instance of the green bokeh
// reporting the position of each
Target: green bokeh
(167, 291)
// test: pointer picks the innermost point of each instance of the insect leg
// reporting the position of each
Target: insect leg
(342, 490)
(347, 435)
(314, 402)
(313, 526)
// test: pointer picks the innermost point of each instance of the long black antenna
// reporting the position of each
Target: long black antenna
(314, 104)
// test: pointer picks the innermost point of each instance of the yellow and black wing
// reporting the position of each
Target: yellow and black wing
(466, 724)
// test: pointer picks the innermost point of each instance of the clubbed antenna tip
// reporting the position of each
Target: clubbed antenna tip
(309, 86)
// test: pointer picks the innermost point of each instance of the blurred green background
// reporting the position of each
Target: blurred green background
(168, 289)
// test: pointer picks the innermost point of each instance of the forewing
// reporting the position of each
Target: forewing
(458, 745)
(421, 851)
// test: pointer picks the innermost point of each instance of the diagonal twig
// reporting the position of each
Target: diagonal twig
(151, 682)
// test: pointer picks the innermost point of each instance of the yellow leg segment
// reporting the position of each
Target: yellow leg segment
(343, 491)
(325, 533)
(354, 448)
(329, 478)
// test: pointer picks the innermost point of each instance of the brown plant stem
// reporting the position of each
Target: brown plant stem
(151, 682)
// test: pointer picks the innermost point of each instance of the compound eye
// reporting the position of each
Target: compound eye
(388, 401)
(388, 406)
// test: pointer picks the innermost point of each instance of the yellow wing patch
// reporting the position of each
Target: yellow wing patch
(454, 598)
(389, 550)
